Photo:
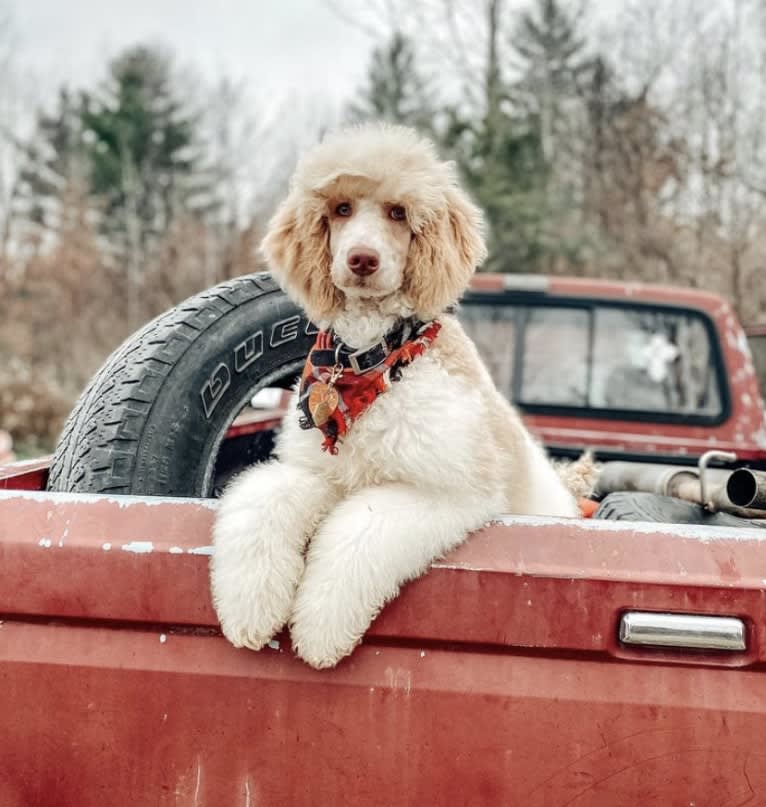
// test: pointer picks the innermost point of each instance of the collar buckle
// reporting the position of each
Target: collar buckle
(363, 360)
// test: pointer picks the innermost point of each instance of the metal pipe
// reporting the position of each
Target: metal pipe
(710, 501)
(670, 480)
(747, 488)
(665, 480)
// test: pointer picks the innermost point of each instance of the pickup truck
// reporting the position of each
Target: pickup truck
(546, 662)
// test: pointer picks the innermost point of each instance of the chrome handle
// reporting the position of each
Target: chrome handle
(687, 631)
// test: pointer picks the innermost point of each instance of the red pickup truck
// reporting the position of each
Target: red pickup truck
(545, 662)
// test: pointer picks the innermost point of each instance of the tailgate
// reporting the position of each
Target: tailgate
(498, 678)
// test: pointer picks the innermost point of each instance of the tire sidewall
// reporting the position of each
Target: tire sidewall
(260, 343)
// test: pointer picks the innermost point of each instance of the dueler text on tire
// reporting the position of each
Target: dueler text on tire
(152, 419)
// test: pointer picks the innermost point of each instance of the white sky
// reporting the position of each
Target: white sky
(277, 46)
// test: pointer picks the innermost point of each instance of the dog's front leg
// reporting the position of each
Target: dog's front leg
(365, 550)
(264, 521)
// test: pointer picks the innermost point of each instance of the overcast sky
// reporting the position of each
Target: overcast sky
(277, 45)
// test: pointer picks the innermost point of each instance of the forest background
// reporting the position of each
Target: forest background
(629, 144)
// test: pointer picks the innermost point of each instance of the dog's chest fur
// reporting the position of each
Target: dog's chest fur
(426, 429)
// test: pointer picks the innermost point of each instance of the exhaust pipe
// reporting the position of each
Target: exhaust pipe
(686, 484)
(747, 488)
(664, 480)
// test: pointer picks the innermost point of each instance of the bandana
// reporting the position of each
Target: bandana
(340, 384)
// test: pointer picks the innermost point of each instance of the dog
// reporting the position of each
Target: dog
(397, 444)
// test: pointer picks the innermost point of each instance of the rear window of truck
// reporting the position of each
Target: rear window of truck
(600, 359)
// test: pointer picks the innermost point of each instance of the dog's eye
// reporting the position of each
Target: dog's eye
(343, 209)
(397, 213)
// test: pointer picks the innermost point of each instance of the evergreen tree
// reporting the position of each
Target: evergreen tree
(143, 158)
(553, 63)
(514, 163)
(504, 169)
(498, 149)
(395, 90)
(53, 163)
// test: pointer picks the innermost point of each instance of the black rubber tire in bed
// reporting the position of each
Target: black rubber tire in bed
(153, 417)
(651, 507)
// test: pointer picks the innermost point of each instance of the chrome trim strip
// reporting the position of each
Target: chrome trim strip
(687, 631)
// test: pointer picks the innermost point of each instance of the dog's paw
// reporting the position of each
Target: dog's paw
(242, 634)
(327, 623)
(320, 650)
(254, 570)
(249, 609)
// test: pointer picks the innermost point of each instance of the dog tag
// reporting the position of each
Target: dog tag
(323, 401)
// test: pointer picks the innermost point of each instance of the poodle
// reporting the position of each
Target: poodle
(397, 444)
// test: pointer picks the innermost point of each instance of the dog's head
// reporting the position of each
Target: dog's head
(373, 213)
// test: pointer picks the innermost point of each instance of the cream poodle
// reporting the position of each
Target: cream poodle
(398, 444)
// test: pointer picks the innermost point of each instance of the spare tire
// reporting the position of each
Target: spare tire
(651, 507)
(153, 418)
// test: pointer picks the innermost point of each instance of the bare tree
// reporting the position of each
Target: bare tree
(12, 125)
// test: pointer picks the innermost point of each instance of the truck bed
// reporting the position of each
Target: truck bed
(497, 678)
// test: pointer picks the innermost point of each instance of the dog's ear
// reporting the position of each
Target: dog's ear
(297, 249)
(444, 254)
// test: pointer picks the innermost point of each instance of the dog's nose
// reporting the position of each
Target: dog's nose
(363, 261)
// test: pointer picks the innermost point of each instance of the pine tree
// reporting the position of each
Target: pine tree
(395, 90)
(504, 169)
(54, 162)
(499, 152)
(552, 59)
(530, 185)
(143, 160)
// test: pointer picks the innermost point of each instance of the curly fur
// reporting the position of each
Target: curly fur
(392, 163)
(323, 542)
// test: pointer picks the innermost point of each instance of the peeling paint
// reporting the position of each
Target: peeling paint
(138, 547)
(399, 679)
(455, 564)
(176, 550)
(200, 550)
(199, 782)
(248, 799)
(45, 543)
(120, 501)
(274, 644)
(106, 547)
(163, 638)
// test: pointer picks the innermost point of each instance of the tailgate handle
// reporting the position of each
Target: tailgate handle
(684, 631)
